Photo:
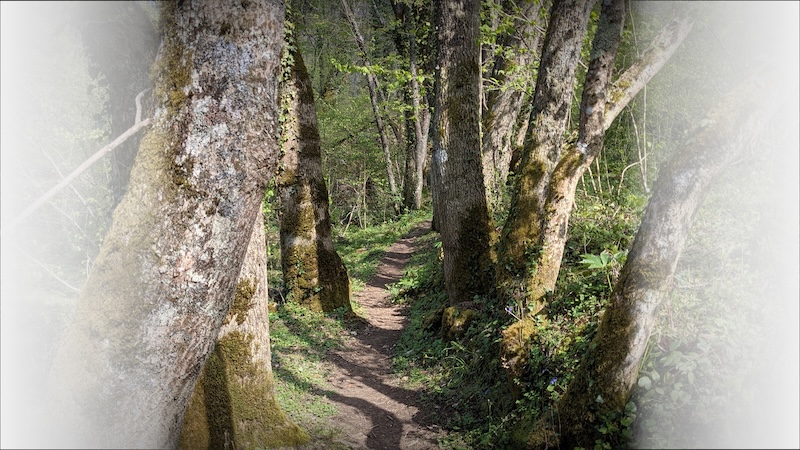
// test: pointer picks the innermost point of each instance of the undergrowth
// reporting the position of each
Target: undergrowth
(464, 380)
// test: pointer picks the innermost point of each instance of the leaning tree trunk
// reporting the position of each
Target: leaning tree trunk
(609, 371)
(166, 274)
(233, 404)
(459, 200)
(121, 43)
(600, 104)
(313, 273)
(551, 104)
(597, 105)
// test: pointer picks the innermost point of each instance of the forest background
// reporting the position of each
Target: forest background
(57, 108)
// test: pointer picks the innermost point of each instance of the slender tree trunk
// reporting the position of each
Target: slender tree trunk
(551, 105)
(233, 404)
(459, 200)
(372, 84)
(167, 271)
(504, 106)
(418, 117)
(418, 149)
(610, 369)
(600, 104)
(313, 273)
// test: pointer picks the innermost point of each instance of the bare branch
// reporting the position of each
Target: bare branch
(652, 60)
(86, 164)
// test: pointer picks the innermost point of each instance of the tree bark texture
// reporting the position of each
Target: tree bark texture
(313, 273)
(459, 200)
(595, 118)
(167, 271)
(233, 404)
(504, 105)
(609, 371)
(551, 105)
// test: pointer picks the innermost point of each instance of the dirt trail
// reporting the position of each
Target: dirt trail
(375, 411)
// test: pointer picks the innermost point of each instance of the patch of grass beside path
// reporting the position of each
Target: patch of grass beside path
(362, 249)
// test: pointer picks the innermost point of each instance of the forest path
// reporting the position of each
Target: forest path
(374, 410)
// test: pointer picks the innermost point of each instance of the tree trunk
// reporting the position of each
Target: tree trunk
(596, 116)
(372, 84)
(313, 273)
(167, 271)
(504, 106)
(547, 229)
(576, 159)
(459, 200)
(417, 151)
(610, 369)
(418, 118)
(233, 404)
(551, 105)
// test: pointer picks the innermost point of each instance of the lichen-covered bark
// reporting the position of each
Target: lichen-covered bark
(634, 78)
(563, 181)
(313, 273)
(610, 369)
(459, 198)
(167, 271)
(551, 104)
(233, 404)
(601, 102)
(575, 160)
(504, 105)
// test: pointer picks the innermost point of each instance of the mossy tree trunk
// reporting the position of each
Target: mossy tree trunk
(459, 195)
(504, 104)
(233, 404)
(533, 248)
(600, 103)
(596, 115)
(313, 273)
(166, 274)
(551, 105)
(607, 374)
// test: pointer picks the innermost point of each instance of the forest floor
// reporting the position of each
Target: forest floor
(374, 409)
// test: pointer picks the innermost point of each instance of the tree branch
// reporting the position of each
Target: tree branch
(86, 164)
(639, 74)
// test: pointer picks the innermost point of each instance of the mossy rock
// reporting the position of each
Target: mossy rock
(516, 349)
(433, 321)
(455, 321)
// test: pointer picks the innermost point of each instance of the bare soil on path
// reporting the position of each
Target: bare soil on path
(374, 410)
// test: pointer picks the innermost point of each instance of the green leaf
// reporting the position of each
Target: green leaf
(645, 382)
